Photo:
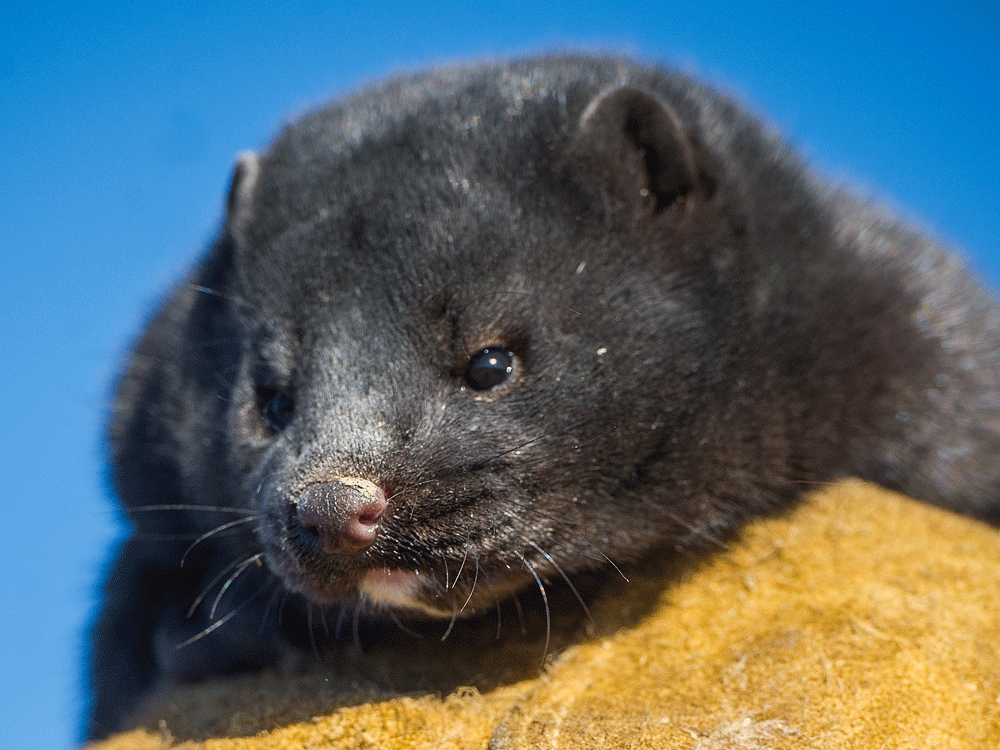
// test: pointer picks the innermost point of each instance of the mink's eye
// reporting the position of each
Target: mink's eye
(276, 407)
(489, 368)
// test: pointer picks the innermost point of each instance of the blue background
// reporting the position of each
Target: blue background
(119, 124)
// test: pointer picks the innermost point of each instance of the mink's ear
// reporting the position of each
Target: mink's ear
(241, 190)
(635, 146)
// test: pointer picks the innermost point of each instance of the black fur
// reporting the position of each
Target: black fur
(686, 329)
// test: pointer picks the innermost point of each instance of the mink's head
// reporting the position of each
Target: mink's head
(481, 336)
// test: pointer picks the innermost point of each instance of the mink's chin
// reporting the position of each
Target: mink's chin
(376, 590)
(389, 589)
(413, 593)
(377, 587)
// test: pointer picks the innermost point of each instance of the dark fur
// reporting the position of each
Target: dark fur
(701, 331)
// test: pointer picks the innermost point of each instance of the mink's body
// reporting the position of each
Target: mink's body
(486, 326)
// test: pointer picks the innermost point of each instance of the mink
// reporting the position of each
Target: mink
(497, 326)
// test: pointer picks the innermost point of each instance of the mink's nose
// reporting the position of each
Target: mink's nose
(346, 514)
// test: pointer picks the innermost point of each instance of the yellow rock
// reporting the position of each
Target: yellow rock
(860, 620)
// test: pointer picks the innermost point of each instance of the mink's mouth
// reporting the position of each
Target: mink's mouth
(328, 543)
(441, 589)
(424, 592)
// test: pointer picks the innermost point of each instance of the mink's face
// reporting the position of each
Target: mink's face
(450, 388)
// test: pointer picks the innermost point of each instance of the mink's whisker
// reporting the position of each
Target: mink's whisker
(472, 589)
(569, 528)
(213, 532)
(565, 577)
(276, 594)
(451, 623)
(545, 600)
(444, 559)
(225, 587)
(183, 506)
(211, 584)
(220, 622)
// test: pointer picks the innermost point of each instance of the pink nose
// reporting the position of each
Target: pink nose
(346, 514)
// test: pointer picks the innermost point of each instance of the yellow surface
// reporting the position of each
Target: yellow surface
(861, 620)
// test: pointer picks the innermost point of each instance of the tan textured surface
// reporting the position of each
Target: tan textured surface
(862, 620)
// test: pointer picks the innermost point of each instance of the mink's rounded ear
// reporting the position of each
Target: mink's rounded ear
(241, 190)
(636, 147)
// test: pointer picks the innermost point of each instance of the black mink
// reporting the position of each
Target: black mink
(486, 327)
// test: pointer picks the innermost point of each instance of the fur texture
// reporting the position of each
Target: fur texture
(496, 327)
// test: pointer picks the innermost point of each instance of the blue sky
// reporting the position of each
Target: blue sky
(119, 124)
